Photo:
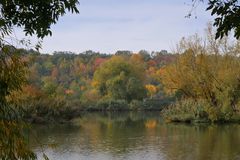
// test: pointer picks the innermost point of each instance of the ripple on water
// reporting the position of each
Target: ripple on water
(104, 137)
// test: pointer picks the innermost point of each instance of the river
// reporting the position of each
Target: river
(135, 136)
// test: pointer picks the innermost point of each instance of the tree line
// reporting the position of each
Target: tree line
(66, 82)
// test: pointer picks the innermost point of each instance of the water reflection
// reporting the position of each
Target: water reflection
(136, 136)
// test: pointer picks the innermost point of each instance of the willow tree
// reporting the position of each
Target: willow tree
(13, 144)
(34, 17)
(203, 71)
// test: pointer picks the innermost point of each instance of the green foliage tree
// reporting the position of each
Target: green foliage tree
(226, 16)
(49, 85)
(36, 17)
(117, 78)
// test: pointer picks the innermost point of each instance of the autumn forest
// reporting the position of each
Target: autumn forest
(189, 84)
(178, 103)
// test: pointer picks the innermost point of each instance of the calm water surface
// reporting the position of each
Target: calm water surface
(135, 136)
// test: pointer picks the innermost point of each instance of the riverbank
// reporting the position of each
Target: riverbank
(46, 110)
(68, 119)
(174, 120)
(199, 111)
(184, 111)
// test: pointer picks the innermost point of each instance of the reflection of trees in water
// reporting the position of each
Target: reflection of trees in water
(200, 142)
(46, 134)
(120, 131)
(127, 133)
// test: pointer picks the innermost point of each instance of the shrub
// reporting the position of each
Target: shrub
(136, 105)
(186, 110)
(112, 105)
(47, 109)
(157, 104)
(117, 105)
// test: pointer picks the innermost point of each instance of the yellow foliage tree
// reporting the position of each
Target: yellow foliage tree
(152, 90)
(201, 72)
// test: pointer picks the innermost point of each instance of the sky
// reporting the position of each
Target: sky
(110, 25)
